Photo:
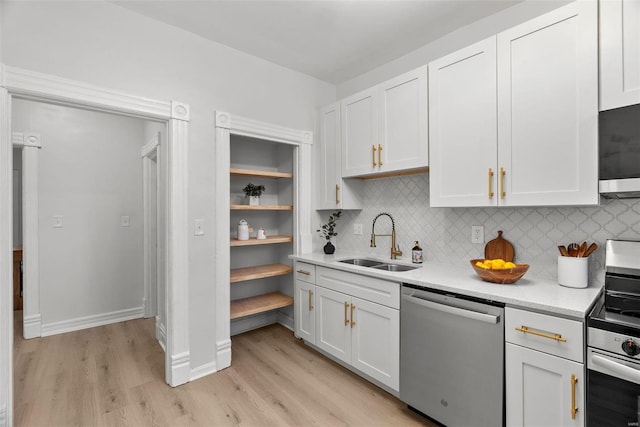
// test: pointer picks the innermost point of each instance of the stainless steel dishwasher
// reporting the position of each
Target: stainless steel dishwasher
(452, 357)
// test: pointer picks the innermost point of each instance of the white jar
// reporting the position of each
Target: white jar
(243, 230)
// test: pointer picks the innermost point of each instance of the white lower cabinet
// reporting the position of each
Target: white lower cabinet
(543, 390)
(304, 308)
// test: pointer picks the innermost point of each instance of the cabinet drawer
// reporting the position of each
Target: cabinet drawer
(365, 287)
(305, 272)
(542, 331)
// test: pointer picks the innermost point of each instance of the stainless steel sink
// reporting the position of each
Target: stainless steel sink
(363, 262)
(394, 267)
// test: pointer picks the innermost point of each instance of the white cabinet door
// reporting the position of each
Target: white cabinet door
(329, 157)
(548, 109)
(619, 53)
(539, 389)
(359, 114)
(403, 122)
(462, 127)
(333, 330)
(376, 341)
(304, 308)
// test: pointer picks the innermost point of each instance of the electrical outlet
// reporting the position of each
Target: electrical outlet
(57, 221)
(125, 221)
(357, 229)
(477, 234)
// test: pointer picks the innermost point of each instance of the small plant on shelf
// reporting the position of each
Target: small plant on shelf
(253, 192)
(328, 231)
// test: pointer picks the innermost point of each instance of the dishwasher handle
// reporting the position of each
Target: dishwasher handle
(469, 314)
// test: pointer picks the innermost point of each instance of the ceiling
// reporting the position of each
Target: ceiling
(331, 40)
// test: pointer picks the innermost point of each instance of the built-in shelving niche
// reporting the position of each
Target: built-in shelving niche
(261, 273)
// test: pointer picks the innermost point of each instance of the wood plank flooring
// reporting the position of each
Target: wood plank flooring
(113, 376)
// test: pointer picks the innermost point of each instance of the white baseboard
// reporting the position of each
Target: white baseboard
(32, 326)
(285, 320)
(223, 354)
(180, 369)
(203, 371)
(161, 334)
(80, 323)
(250, 323)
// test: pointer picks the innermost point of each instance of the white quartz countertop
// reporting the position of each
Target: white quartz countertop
(528, 292)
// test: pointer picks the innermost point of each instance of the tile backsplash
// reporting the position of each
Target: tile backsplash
(445, 233)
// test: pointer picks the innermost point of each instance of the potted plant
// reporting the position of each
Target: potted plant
(328, 231)
(253, 192)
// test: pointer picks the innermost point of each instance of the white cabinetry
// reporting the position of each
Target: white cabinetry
(544, 370)
(304, 302)
(334, 192)
(545, 72)
(357, 322)
(384, 129)
(619, 53)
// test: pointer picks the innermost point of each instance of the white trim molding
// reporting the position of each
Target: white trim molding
(149, 149)
(227, 125)
(32, 326)
(92, 321)
(43, 87)
(203, 371)
(26, 139)
(3, 416)
(161, 334)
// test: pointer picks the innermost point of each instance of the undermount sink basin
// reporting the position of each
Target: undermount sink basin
(394, 267)
(363, 262)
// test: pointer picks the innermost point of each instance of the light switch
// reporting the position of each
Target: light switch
(198, 229)
(357, 229)
(57, 221)
(124, 221)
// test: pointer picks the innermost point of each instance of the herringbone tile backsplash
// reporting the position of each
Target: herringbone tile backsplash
(445, 233)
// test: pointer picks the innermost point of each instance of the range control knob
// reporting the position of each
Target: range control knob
(630, 347)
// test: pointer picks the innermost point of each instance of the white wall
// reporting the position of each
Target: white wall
(90, 173)
(453, 41)
(101, 43)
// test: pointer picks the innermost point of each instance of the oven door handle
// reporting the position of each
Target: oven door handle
(622, 371)
(456, 311)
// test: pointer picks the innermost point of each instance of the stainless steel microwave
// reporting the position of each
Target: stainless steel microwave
(620, 152)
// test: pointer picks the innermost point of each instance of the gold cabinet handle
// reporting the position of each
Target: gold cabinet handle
(490, 183)
(502, 174)
(310, 300)
(527, 330)
(337, 195)
(352, 322)
(346, 306)
(373, 155)
(379, 155)
(304, 272)
(574, 408)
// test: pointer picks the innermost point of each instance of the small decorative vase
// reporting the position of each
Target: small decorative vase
(254, 200)
(329, 249)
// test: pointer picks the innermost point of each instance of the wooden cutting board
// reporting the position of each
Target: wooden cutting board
(499, 248)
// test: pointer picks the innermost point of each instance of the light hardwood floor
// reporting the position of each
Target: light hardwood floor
(113, 376)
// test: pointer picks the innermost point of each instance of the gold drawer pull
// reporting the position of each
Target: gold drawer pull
(352, 322)
(527, 330)
(490, 183)
(310, 300)
(346, 306)
(304, 272)
(379, 155)
(337, 195)
(373, 155)
(574, 408)
(502, 174)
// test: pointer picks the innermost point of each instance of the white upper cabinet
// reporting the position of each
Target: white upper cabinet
(619, 53)
(334, 193)
(384, 129)
(403, 142)
(543, 75)
(360, 133)
(462, 127)
(548, 109)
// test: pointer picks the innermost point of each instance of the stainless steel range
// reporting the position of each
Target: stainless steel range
(613, 363)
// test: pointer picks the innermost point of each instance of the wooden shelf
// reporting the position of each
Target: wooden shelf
(259, 304)
(268, 241)
(259, 272)
(259, 173)
(262, 208)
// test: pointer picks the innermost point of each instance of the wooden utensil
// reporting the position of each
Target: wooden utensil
(563, 250)
(499, 248)
(573, 249)
(582, 250)
(592, 248)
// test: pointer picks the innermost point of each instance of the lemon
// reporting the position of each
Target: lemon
(509, 265)
(480, 264)
(488, 263)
